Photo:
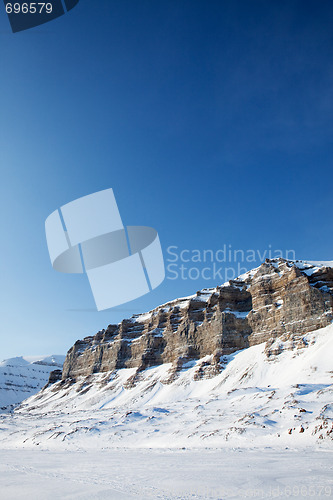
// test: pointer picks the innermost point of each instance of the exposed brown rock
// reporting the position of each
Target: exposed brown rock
(276, 301)
(54, 377)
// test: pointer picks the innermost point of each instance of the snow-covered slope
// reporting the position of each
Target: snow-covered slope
(23, 376)
(256, 400)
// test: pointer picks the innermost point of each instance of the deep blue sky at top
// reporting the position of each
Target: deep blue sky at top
(211, 120)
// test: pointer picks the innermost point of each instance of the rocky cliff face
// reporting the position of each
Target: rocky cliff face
(279, 300)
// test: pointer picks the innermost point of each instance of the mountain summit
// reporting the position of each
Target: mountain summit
(278, 301)
(247, 363)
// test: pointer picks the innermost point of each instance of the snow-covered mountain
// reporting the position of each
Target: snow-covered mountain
(23, 376)
(257, 400)
(248, 363)
(278, 300)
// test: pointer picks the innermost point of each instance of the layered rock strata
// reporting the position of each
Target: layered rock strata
(280, 299)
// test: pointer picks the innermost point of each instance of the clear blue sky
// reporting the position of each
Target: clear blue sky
(211, 120)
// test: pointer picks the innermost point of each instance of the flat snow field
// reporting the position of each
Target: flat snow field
(165, 474)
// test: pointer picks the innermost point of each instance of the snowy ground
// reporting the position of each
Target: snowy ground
(262, 428)
(165, 474)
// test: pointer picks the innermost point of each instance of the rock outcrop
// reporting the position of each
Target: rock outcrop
(280, 299)
(54, 377)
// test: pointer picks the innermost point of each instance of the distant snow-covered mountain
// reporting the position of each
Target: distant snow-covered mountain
(23, 376)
